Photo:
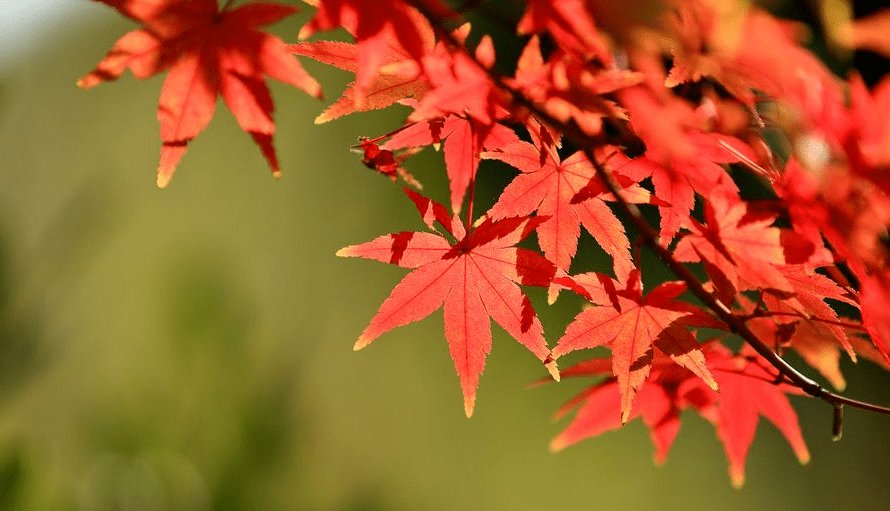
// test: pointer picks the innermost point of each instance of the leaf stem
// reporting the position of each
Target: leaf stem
(735, 323)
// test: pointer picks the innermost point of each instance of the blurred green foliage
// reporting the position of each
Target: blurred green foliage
(190, 349)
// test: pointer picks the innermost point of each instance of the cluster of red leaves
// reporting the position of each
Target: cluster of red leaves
(667, 137)
(748, 388)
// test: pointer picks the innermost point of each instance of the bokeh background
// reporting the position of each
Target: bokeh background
(190, 348)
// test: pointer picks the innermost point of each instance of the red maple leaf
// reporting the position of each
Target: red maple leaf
(748, 59)
(749, 388)
(570, 24)
(475, 276)
(631, 327)
(461, 85)
(208, 52)
(677, 177)
(464, 139)
(659, 402)
(747, 253)
(869, 147)
(819, 332)
(376, 26)
(569, 86)
(548, 185)
(875, 301)
(812, 340)
(400, 76)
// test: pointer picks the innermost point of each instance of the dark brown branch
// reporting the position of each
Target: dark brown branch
(735, 323)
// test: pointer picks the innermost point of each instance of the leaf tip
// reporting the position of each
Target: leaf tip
(552, 294)
(803, 455)
(469, 405)
(171, 154)
(163, 179)
(558, 444)
(737, 478)
(314, 90)
(361, 343)
(90, 80)
(344, 252)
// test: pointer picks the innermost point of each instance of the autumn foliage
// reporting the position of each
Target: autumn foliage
(609, 117)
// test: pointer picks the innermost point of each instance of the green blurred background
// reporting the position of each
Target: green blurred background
(190, 348)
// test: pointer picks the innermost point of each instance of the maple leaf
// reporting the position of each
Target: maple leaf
(570, 87)
(743, 50)
(749, 388)
(876, 313)
(598, 415)
(848, 211)
(631, 328)
(375, 26)
(399, 77)
(746, 252)
(208, 52)
(661, 398)
(464, 139)
(870, 147)
(804, 322)
(549, 189)
(854, 219)
(476, 277)
(461, 85)
(815, 343)
(679, 163)
(569, 23)
(659, 402)
(396, 82)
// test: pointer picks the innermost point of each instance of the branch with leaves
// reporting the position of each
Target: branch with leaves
(661, 108)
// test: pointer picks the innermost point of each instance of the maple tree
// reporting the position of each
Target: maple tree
(610, 116)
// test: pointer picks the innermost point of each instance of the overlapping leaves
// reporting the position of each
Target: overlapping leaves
(805, 269)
